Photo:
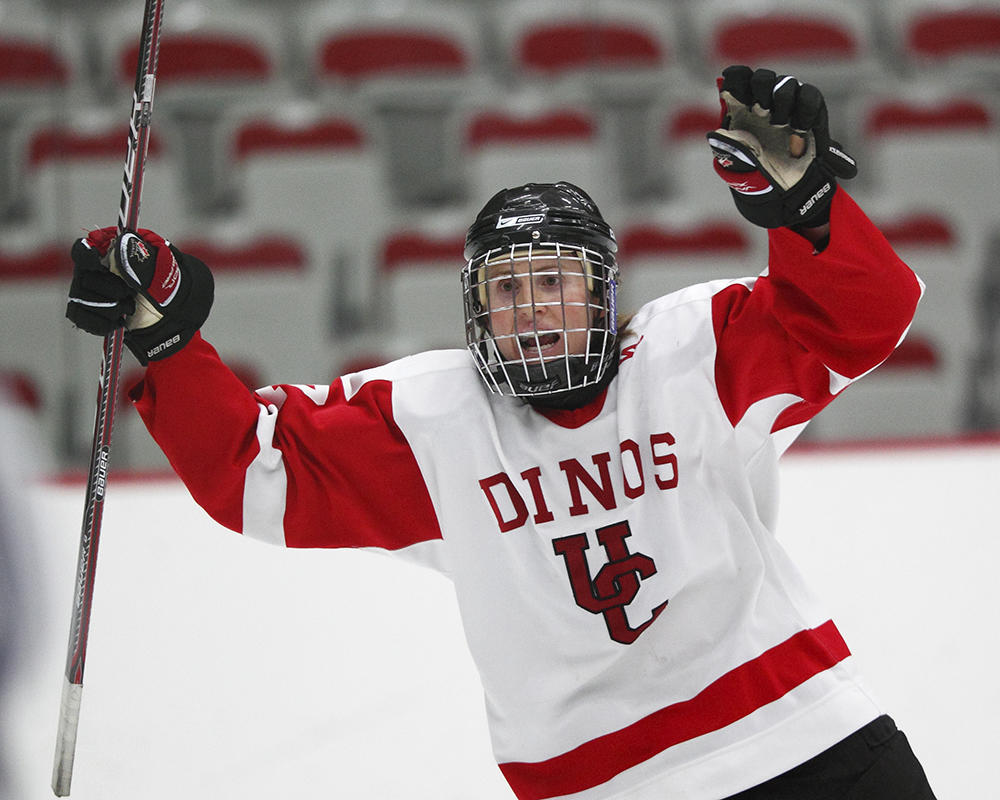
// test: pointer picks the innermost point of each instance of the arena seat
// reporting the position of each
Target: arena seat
(516, 140)
(406, 69)
(41, 60)
(306, 169)
(613, 55)
(621, 45)
(945, 41)
(41, 65)
(211, 56)
(922, 136)
(828, 44)
(420, 287)
(34, 280)
(20, 389)
(685, 156)
(671, 250)
(268, 311)
(984, 392)
(922, 389)
(73, 163)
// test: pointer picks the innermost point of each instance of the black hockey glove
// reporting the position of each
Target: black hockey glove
(161, 295)
(774, 150)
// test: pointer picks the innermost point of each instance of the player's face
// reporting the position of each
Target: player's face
(539, 309)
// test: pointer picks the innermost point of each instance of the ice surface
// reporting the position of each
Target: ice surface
(221, 668)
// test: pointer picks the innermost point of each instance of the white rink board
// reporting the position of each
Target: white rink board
(222, 668)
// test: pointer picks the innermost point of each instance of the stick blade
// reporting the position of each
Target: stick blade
(69, 719)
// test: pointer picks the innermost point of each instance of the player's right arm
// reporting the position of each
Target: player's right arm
(303, 466)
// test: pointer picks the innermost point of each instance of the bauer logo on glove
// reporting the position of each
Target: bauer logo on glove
(773, 149)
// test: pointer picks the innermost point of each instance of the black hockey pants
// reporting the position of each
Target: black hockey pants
(874, 763)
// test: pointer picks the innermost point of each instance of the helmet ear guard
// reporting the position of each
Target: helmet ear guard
(533, 231)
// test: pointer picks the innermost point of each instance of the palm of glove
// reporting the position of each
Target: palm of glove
(774, 150)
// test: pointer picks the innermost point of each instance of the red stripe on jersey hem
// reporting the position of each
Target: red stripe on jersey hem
(735, 695)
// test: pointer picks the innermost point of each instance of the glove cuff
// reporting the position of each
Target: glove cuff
(187, 313)
(770, 192)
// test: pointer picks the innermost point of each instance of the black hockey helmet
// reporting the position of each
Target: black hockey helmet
(535, 212)
(542, 229)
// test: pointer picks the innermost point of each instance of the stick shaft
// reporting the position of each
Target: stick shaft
(128, 215)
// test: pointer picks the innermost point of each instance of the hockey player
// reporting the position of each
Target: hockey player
(601, 491)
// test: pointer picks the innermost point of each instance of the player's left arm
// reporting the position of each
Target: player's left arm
(836, 300)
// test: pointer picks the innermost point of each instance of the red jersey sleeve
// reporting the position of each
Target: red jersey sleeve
(815, 321)
(328, 470)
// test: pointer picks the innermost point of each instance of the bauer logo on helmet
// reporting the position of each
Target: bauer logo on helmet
(517, 222)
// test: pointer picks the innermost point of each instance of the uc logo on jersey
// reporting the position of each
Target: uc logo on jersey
(616, 583)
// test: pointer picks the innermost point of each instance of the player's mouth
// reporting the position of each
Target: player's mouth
(540, 345)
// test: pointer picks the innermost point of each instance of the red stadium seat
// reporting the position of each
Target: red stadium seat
(30, 65)
(660, 255)
(404, 249)
(922, 388)
(960, 41)
(21, 389)
(420, 290)
(829, 44)
(71, 166)
(626, 46)
(426, 48)
(34, 362)
(613, 56)
(317, 173)
(955, 114)
(947, 33)
(526, 139)
(359, 54)
(922, 136)
(45, 261)
(588, 45)
(41, 59)
(212, 56)
(41, 65)
(207, 55)
(271, 305)
(686, 157)
(557, 125)
(203, 57)
(406, 71)
(262, 253)
(771, 38)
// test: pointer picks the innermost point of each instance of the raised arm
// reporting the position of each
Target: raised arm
(302, 466)
(815, 321)
(836, 300)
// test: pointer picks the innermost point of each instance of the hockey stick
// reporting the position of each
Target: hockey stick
(128, 216)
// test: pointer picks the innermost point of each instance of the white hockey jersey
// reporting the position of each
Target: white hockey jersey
(638, 629)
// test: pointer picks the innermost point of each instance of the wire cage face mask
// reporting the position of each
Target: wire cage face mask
(540, 317)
